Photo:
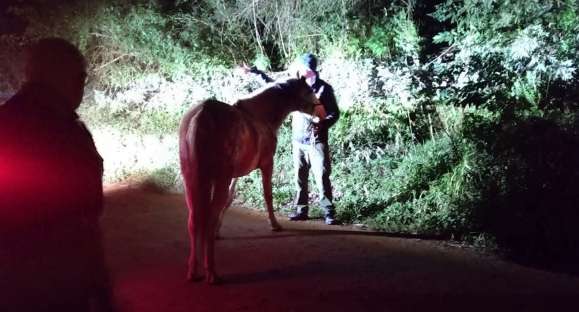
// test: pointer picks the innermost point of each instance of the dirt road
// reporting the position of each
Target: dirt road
(307, 267)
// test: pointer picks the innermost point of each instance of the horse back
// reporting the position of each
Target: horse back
(200, 129)
(236, 142)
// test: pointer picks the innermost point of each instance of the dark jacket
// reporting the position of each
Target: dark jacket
(51, 197)
(302, 126)
(50, 168)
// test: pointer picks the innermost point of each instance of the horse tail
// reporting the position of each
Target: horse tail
(186, 157)
(196, 181)
(205, 181)
(231, 193)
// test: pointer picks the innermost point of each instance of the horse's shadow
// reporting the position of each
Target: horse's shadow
(295, 232)
(322, 268)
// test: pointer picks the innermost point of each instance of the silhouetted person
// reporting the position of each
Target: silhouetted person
(51, 198)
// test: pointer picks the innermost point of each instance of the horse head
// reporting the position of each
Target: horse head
(303, 98)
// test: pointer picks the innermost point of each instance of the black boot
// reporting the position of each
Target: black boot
(300, 214)
(330, 218)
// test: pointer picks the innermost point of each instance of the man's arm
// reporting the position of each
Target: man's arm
(261, 74)
(328, 99)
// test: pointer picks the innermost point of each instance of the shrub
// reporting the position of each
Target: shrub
(534, 193)
(436, 189)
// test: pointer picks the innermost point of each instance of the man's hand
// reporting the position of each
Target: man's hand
(244, 68)
(319, 93)
(316, 125)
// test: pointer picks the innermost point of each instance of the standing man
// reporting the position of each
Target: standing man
(51, 196)
(310, 141)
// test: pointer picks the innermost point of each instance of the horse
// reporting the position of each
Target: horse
(218, 143)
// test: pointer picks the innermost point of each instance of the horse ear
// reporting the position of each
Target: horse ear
(298, 74)
(302, 78)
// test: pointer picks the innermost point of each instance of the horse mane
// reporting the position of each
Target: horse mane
(278, 87)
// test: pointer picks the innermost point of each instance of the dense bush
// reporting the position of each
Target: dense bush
(505, 49)
(533, 190)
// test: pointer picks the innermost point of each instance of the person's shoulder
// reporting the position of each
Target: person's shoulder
(13, 110)
(10, 105)
(82, 128)
(324, 83)
(327, 87)
(6, 118)
(5, 109)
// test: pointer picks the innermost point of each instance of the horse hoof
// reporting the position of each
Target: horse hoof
(194, 277)
(276, 228)
(213, 279)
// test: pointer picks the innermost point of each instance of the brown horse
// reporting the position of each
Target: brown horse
(219, 142)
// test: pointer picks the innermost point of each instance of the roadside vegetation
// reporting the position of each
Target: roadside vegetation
(459, 117)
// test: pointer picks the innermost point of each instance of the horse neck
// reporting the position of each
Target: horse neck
(269, 108)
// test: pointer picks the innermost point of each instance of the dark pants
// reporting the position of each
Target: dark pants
(317, 157)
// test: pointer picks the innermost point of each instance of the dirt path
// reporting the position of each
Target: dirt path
(307, 267)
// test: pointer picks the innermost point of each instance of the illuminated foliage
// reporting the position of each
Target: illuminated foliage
(454, 111)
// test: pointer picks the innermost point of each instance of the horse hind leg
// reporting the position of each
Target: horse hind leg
(196, 226)
(198, 202)
(192, 260)
(194, 240)
(216, 208)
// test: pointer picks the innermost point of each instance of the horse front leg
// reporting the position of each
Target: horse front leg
(266, 174)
